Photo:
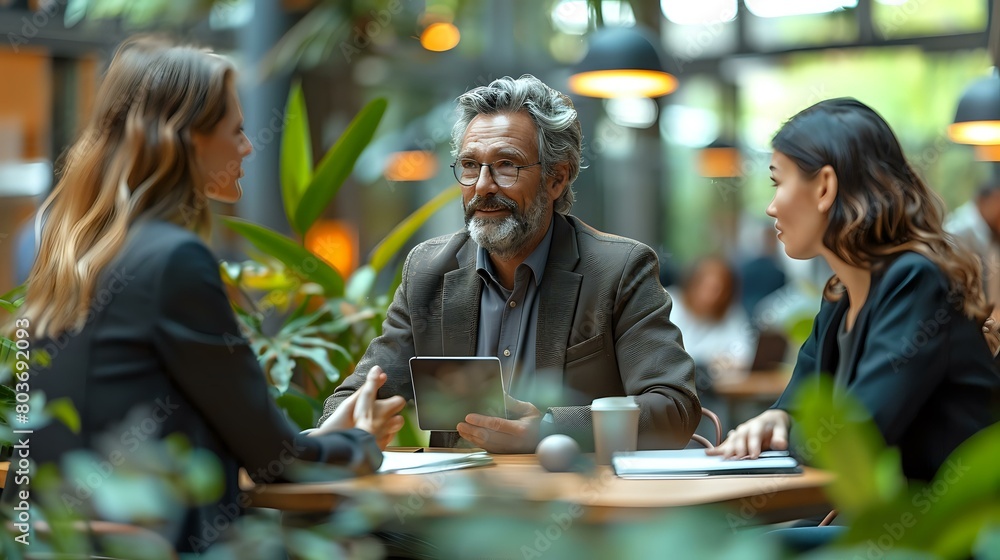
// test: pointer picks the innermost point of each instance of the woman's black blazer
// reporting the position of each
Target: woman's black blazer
(161, 354)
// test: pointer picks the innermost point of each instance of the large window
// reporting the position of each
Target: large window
(915, 91)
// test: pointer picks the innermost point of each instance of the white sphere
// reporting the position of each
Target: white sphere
(558, 453)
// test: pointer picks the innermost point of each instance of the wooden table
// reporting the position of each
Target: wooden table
(755, 385)
(604, 497)
(758, 388)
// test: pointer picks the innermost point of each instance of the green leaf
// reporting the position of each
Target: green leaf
(7, 350)
(6, 436)
(13, 299)
(343, 322)
(303, 341)
(319, 356)
(337, 165)
(201, 476)
(76, 10)
(41, 358)
(410, 435)
(299, 408)
(296, 151)
(360, 284)
(962, 498)
(297, 324)
(958, 538)
(323, 21)
(838, 435)
(300, 311)
(282, 370)
(63, 410)
(297, 258)
(397, 281)
(388, 247)
(799, 328)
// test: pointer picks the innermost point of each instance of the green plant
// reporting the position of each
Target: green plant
(327, 321)
(9, 302)
(955, 515)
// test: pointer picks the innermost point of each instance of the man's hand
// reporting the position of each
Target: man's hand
(499, 435)
(363, 410)
(769, 430)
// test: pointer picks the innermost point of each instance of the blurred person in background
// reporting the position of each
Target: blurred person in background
(717, 332)
(761, 275)
(129, 298)
(976, 224)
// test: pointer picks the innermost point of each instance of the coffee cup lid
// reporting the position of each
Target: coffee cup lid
(614, 403)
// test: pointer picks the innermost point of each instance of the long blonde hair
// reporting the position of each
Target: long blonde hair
(132, 161)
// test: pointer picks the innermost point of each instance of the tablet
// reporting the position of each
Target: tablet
(446, 389)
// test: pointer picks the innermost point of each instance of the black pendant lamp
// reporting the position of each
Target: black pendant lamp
(977, 119)
(621, 62)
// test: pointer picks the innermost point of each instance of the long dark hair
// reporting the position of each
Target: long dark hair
(883, 208)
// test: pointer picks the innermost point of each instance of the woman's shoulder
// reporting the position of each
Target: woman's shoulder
(911, 262)
(162, 233)
(159, 240)
(913, 269)
(155, 248)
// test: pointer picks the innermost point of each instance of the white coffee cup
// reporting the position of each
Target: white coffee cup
(616, 426)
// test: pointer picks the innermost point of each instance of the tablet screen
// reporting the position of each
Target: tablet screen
(446, 389)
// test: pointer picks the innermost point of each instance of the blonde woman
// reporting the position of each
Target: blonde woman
(128, 299)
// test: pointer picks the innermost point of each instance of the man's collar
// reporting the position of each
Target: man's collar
(535, 261)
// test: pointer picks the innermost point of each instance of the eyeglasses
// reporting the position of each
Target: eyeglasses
(504, 171)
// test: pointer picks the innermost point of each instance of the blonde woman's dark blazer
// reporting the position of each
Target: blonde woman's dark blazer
(161, 354)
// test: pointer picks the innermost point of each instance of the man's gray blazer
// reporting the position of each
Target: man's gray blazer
(603, 330)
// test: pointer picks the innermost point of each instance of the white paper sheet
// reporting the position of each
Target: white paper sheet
(428, 462)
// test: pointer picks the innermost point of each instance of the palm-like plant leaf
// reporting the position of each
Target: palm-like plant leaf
(296, 152)
(391, 245)
(337, 165)
(296, 257)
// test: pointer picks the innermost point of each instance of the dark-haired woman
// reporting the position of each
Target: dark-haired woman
(900, 325)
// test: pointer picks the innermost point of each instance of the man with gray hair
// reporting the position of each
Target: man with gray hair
(572, 313)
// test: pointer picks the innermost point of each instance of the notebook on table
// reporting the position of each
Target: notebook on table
(694, 463)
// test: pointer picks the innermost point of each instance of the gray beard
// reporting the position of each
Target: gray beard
(506, 237)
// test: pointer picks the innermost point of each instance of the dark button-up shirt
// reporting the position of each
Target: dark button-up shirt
(507, 318)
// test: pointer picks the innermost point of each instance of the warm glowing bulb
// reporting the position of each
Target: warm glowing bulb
(414, 165)
(440, 37)
(336, 243)
(719, 162)
(622, 83)
(975, 132)
(988, 152)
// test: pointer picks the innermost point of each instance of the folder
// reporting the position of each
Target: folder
(694, 463)
(423, 463)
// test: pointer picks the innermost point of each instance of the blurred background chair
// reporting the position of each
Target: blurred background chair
(714, 419)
